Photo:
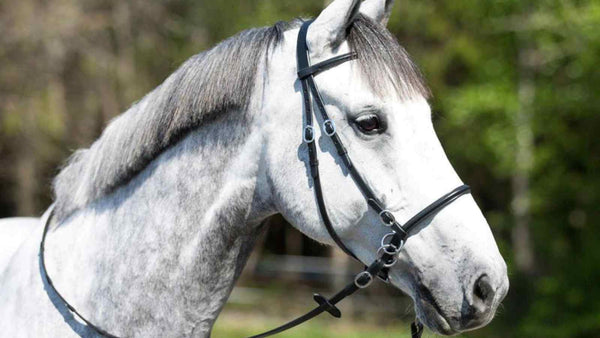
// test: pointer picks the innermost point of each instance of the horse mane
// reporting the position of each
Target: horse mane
(212, 82)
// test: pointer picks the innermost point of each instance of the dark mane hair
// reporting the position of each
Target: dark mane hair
(215, 81)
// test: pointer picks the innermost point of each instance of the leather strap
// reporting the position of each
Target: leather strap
(303, 63)
(321, 66)
(45, 275)
(310, 87)
(324, 306)
(416, 329)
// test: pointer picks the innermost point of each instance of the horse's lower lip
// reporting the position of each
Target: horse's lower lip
(434, 316)
(436, 320)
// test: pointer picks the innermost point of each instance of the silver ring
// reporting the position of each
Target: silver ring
(392, 263)
(312, 133)
(382, 251)
(383, 244)
(357, 277)
(390, 236)
(389, 249)
(332, 124)
(402, 242)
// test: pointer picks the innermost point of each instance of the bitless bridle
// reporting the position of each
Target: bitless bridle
(391, 243)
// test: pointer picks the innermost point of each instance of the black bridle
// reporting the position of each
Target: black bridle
(391, 243)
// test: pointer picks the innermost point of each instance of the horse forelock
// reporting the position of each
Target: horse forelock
(384, 63)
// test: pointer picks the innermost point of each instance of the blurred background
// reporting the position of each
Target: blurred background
(515, 104)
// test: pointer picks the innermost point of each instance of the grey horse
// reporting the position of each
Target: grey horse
(155, 221)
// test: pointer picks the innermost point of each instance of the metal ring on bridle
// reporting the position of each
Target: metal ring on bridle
(389, 249)
(390, 236)
(392, 259)
(309, 134)
(329, 127)
(387, 218)
(387, 236)
(359, 276)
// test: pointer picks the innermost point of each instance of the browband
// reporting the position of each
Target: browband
(321, 66)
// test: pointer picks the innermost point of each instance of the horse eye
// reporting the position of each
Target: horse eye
(368, 123)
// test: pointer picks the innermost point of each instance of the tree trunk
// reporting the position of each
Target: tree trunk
(521, 202)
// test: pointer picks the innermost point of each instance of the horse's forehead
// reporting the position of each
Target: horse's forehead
(345, 86)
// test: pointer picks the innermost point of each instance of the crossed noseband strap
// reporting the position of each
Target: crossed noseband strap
(391, 243)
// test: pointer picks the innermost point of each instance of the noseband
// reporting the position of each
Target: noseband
(391, 243)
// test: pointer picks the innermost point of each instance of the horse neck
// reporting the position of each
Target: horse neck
(161, 254)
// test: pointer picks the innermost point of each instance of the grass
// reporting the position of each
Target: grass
(252, 311)
(233, 324)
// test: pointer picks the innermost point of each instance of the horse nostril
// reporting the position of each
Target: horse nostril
(483, 290)
(476, 312)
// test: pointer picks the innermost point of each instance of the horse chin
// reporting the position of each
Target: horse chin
(430, 316)
(426, 308)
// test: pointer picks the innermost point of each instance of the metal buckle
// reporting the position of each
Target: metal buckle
(359, 276)
(309, 134)
(329, 127)
(387, 218)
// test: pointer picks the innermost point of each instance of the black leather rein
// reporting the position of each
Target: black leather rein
(391, 243)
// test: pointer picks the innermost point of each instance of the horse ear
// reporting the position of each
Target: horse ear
(377, 10)
(329, 28)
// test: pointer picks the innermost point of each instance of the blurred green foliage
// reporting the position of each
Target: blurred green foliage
(515, 88)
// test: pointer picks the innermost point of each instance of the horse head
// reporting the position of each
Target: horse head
(450, 264)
